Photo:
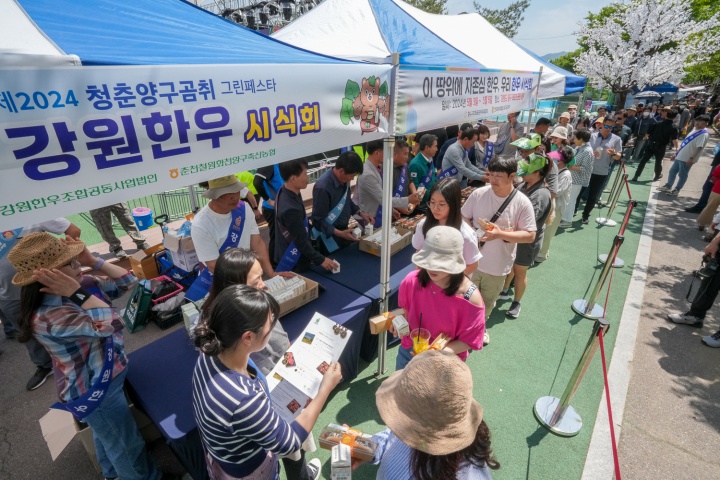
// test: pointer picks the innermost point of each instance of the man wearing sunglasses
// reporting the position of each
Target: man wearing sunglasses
(607, 148)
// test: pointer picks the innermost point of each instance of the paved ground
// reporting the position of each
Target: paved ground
(671, 427)
(671, 421)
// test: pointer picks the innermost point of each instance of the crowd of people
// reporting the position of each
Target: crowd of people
(468, 256)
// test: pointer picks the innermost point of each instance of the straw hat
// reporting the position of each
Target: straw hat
(222, 186)
(429, 405)
(599, 120)
(442, 251)
(41, 250)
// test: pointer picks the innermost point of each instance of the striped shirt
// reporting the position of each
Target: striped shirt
(75, 338)
(394, 458)
(236, 418)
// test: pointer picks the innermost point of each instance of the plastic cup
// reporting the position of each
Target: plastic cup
(421, 340)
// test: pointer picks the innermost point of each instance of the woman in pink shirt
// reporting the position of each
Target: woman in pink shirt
(442, 295)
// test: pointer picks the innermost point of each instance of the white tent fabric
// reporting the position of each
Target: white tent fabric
(22, 43)
(371, 30)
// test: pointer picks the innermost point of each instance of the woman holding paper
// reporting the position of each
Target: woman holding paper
(242, 433)
(439, 298)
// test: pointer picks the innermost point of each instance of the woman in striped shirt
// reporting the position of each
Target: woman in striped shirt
(241, 432)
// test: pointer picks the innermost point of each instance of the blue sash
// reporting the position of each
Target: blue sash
(428, 178)
(687, 140)
(399, 190)
(330, 242)
(8, 240)
(292, 254)
(87, 403)
(450, 172)
(201, 286)
(489, 149)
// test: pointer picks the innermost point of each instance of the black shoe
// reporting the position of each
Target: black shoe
(38, 378)
(635, 179)
(120, 253)
(657, 177)
(585, 221)
(143, 246)
(694, 209)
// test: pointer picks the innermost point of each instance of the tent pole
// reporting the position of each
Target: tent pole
(532, 110)
(193, 199)
(388, 146)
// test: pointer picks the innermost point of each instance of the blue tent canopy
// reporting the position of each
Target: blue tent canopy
(665, 87)
(156, 32)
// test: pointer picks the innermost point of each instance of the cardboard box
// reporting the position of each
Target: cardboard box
(374, 248)
(380, 323)
(59, 427)
(182, 251)
(143, 263)
(310, 294)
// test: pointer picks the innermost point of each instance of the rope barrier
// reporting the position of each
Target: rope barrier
(616, 457)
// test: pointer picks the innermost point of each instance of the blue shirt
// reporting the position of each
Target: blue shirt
(394, 458)
(327, 193)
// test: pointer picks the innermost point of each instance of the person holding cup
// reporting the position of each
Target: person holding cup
(607, 149)
(440, 299)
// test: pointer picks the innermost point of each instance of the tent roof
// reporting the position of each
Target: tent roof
(371, 30)
(665, 87)
(155, 32)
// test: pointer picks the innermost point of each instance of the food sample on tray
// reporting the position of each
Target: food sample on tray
(283, 289)
(377, 236)
(361, 444)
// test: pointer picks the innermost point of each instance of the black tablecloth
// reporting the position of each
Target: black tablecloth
(160, 374)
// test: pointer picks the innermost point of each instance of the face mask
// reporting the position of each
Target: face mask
(646, 114)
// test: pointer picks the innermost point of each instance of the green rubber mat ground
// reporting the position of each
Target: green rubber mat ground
(529, 357)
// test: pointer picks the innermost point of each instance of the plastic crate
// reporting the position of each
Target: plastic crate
(177, 275)
(169, 295)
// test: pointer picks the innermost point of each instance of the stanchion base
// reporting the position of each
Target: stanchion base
(567, 426)
(606, 222)
(580, 305)
(618, 263)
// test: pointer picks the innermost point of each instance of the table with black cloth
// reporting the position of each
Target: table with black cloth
(159, 377)
(360, 271)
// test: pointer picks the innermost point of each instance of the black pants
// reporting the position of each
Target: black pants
(269, 215)
(296, 469)
(652, 151)
(594, 189)
(706, 295)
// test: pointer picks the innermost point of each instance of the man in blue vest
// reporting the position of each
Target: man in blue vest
(268, 182)
(333, 207)
(293, 249)
(422, 169)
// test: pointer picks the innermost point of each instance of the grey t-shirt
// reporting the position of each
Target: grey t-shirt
(601, 166)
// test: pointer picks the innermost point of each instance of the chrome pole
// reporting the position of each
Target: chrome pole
(588, 308)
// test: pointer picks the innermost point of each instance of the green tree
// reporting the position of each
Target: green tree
(709, 71)
(507, 19)
(567, 61)
(430, 6)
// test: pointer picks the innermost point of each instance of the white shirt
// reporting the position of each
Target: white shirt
(497, 255)
(693, 149)
(210, 229)
(471, 253)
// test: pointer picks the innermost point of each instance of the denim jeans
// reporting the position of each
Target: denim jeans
(120, 448)
(403, 358)
(679, 168)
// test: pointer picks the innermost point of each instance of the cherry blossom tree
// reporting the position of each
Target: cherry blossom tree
(644, 42)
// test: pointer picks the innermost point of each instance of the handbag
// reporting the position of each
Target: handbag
(136, 311)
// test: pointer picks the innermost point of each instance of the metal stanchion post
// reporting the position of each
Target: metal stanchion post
(615, 185)
(556, 414)
(194, 207)
(616, 196)
(619, 262)
(588, 308)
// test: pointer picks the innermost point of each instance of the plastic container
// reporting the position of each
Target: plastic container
(169, 295)
(143, 217)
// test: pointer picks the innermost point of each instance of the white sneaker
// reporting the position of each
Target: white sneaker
(565, 224)
(486, 338)
(685, 319)
(664, 188)
(673, 192)
(315, 467)
(712, 340)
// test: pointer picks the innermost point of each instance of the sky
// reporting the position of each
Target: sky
(543, 19)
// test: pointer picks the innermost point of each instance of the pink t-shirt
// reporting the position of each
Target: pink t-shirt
(497, 255)
(454, 316)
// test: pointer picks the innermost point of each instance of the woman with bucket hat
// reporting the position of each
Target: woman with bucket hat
(435, 427)
(71, 315)
(439, 298)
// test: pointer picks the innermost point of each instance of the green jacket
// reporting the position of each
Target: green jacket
(418, 170)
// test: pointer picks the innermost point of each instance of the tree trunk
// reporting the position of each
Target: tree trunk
(620, 99)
